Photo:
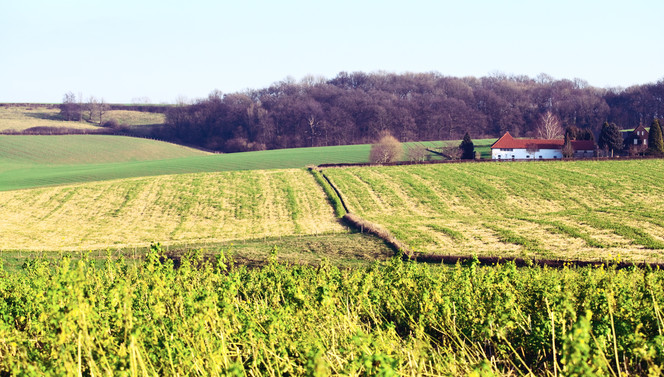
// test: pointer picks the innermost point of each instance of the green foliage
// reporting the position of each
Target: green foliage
(210, 318)
(331, 195)
(467, 148)
(610, 137)
(655, 141)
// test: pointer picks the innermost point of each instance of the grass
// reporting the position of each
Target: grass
(172, 209)
(135, 118)
(50, 150)
(581, 209)
(18, 118)
(36, 161)
(21, 118)
(338, 249)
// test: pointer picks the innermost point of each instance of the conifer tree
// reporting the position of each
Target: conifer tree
(655, 141)
(467, 148)
(610, 138)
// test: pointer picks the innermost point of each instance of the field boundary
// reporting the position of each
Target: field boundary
(431, 162)
(525, 262)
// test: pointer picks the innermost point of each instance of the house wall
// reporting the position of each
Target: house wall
(522, 154)
(584, 153)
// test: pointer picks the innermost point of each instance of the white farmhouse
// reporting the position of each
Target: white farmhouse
(509, 148)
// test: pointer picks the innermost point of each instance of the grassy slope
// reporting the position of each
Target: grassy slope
(86, 149)
(172, 209)
(35, 161)
(21, 118)
(583, 209)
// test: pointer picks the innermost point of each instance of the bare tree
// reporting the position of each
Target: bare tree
(70, 109)
(102, 108)
(418, 153)
(567, 150)
(140, 101)
(387, 149)
(96, 109)
(91, 107)
(549, 127)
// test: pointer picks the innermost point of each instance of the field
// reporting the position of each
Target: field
(171, 209)
(36, 161)
(584, 209)
(399, 319)
(326, 300)
(15, 118)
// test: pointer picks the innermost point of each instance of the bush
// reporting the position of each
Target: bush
(111, 123)
(387, 149)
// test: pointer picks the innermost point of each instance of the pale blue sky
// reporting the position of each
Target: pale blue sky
(163, 49)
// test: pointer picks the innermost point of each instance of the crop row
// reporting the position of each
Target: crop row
(583, 209)
(172, 209)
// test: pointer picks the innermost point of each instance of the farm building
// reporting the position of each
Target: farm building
(509, 148)
(638, 137)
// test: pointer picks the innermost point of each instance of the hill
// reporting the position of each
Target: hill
(21, 118)
(35, 161)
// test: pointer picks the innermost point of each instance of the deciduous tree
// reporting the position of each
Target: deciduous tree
(549, 127)
(70, 108)
(568, 150)
(387, 149)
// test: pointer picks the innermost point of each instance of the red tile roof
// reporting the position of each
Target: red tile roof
(507, 141)
(585, 145)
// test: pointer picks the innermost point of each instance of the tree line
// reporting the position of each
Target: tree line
(356, 107)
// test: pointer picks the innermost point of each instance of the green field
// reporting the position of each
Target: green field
(35, 161)
(582, 209)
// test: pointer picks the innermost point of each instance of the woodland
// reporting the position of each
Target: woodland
(354, 108)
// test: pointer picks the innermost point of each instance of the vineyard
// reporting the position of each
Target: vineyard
(214, 318)
(573, 210)
(187, 208)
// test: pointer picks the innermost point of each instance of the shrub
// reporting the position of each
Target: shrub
(111, 123)
(387, 149)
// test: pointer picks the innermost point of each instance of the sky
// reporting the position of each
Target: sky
(165, 50)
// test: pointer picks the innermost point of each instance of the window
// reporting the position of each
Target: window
(506, 149)
(540, 156)
(645, 142)
(636, 141)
